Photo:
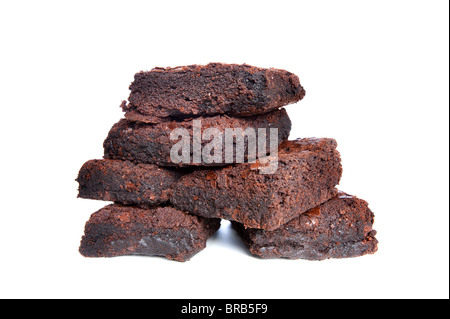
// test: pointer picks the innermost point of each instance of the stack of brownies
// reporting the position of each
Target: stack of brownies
(169, 171)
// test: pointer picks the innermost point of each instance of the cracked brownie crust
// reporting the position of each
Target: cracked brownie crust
(308, 171)
(206, 90)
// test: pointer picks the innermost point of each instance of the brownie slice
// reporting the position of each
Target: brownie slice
(152, 144)
(205, 90)
(308, 170)
(125, 182)
(339, 228)
(117, 230)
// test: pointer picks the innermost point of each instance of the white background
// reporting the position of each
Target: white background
(376, 75)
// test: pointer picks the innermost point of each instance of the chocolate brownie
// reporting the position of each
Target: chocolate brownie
(339, 228)
(308, 170)
(125, 182)
(216, 88)
(152, 144)
(117, 230)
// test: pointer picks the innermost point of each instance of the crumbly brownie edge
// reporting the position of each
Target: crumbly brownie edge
(118, 230)
(339, 228)
(126, 182)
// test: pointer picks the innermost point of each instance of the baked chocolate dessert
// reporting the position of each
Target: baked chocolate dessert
(308, 170)
(117, 230)
(152, 144)
(126, 182)
(206, 90)
(339, 228)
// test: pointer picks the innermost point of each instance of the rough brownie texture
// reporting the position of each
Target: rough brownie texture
(117, 230)
(339, 228)
(125, 182)
(151, 143)
(195, 90)
(308, 170)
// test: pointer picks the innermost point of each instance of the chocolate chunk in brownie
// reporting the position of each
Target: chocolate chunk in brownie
(126, 182)
(117, 230)
(216, 88)
(339, 228)
(152, 143)
(308, 170)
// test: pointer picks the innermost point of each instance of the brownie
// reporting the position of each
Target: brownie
(125, 182)
(152, 144)
(206, 90)
(308, 170)
(117, 230)
(339, 228)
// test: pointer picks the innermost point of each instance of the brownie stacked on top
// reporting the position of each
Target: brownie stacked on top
(164, 206)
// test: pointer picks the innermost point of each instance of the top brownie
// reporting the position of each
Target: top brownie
(191, 91)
